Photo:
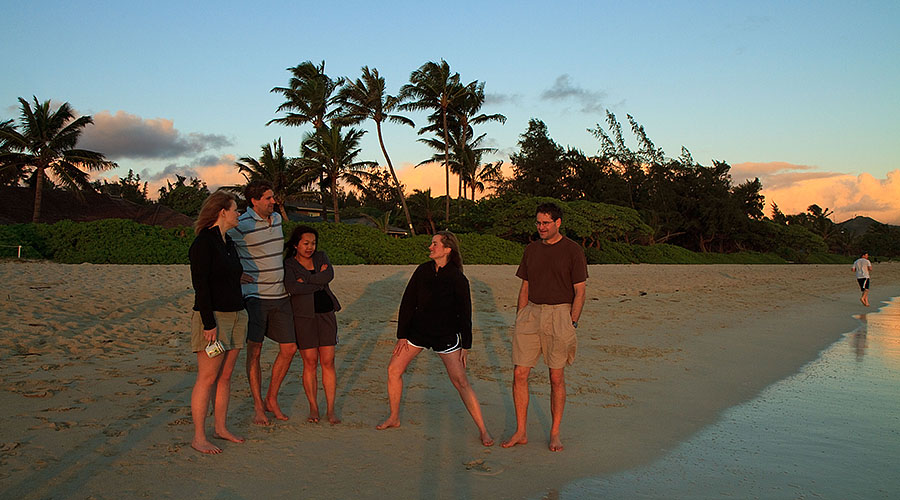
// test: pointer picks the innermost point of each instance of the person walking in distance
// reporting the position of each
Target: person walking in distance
(863, 268)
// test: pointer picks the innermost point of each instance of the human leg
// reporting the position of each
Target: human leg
(520, 401)
(329, 381)
(457, 373)
(256, 328)
(254, 376)
(207, 370)
(223, 393)
(310, 382)
(557, 405)
(280, 368)
(399, 361)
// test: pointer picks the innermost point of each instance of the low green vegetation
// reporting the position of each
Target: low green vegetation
(117, 241)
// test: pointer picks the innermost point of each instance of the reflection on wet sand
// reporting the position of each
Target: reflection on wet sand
(829, 431)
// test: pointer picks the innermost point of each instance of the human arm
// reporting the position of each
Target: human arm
(578, 302)
(200, 255)
(523, 296)
(407, 306)
(464, 313)
(296, 279)
(325, 272)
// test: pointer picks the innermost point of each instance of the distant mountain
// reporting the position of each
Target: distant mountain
(858, 225)
(17, 205)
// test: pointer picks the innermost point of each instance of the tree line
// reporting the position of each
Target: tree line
(678, 200)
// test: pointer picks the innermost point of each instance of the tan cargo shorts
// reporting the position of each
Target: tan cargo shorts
(547, 329)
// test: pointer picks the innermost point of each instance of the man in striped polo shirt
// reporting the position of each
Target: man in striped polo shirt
(260, 243)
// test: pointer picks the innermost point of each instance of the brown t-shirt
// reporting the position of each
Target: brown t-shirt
(551, 270)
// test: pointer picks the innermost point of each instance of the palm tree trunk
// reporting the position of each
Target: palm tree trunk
(334, 199)
(446, 168)
(396, 181)
(38, 195)
(322, 196)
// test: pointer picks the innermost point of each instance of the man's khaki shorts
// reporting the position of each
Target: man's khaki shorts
(547, 329)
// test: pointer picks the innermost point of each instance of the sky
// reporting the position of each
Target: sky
(803, 95)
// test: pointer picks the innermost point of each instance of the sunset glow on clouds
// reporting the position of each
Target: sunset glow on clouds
(796, 187)
(123, 135)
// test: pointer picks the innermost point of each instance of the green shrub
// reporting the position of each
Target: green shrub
(116, 241)
(31, 237)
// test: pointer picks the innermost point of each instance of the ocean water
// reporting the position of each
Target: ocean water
(830, 431)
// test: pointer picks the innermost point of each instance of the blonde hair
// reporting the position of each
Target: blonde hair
(212, 205)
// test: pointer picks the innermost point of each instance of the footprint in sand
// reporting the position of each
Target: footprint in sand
(481, 468)
(7, 448)
(181, 421)
(143, 382)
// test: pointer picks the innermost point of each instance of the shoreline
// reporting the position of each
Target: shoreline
(663, 351)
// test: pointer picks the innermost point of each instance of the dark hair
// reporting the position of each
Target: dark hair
(550, 209)
(254, 190)
(450, 241)
(290, 248)
(212, 205)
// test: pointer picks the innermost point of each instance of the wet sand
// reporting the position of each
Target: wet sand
(96, 378)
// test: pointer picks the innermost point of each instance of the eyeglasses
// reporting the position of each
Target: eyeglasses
(540, 223)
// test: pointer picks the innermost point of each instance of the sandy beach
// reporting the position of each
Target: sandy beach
(97, 372)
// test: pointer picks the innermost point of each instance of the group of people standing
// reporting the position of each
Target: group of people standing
(247, 288)
(250, 285)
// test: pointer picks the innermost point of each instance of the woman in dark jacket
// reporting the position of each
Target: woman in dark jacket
(307, 273)
(219, 315)
(436, 313)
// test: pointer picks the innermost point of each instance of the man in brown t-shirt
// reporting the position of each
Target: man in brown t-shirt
(553, 272)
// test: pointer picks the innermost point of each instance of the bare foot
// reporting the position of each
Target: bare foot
(555, 443)
(228, 436)
(333, 419)
(387, 424)
(272, 406)
(313, 417)
(486, 439)
(260, 418)
(863, 301)
(206, 447)
(515, 439)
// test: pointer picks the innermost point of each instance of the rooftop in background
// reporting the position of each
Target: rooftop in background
(17, 205)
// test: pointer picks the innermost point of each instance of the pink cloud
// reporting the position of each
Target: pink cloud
(431, 175)
(795, 187)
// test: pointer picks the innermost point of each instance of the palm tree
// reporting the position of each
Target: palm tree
(334, 155)
(464, 157)
(433, 87)
(426, 206)
(487, 174)
(467, 116)
(47, 145)
(309, 97)
(383, 223)
(285, 174)
(11, 172)
(365, 99)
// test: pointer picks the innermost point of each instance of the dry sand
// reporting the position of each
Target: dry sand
(96, 379)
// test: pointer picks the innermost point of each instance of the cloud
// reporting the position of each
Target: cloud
(214, 171)
(124, 135)
(796, 187)
(564, 90)
(431, 175)
(491, 99)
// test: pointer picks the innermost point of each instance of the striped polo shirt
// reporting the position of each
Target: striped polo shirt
(260, 246)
